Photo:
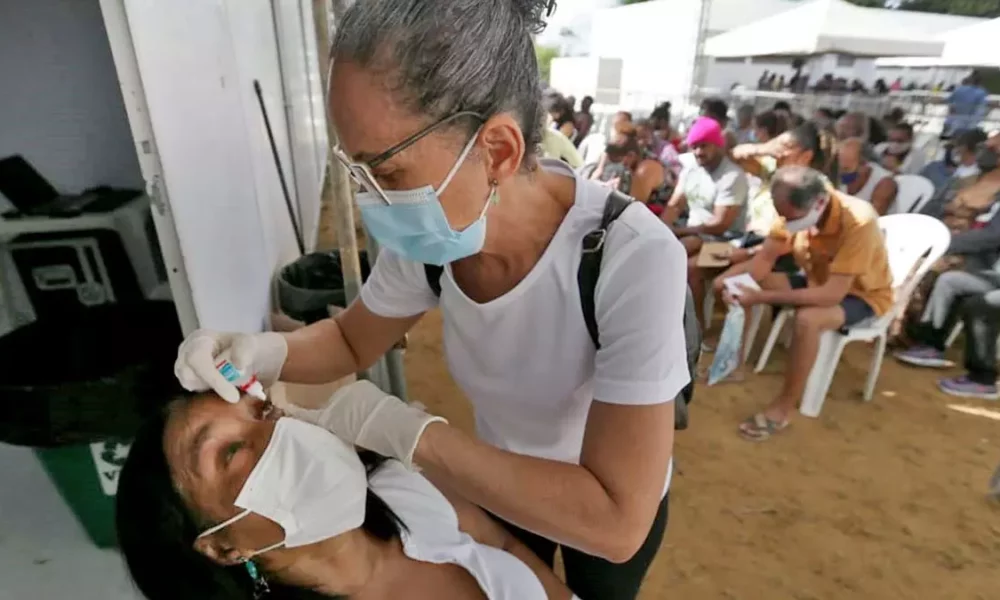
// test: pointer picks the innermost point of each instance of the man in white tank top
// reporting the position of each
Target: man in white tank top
(864, 179)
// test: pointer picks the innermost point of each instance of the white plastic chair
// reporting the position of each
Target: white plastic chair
(592, 147)
(908, 239)
(913, 192)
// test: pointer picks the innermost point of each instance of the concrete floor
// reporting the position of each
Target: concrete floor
(44, 553)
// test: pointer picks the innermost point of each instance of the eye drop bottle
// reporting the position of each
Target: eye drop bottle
(244, 383)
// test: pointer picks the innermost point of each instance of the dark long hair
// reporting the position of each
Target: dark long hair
(156, 532)
(809, 137)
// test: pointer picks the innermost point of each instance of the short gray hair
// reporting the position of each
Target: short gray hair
(805, 186)
(448, 56)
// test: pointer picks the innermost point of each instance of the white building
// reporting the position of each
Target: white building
(645, 53)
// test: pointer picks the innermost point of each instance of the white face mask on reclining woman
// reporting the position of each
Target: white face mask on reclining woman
(307, 481)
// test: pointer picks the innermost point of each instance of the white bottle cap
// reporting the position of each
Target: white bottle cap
(256, 390)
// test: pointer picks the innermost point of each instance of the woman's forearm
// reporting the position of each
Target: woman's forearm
(559, 501)
(318, 354)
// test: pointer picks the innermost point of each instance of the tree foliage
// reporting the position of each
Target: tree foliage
(972, 8)
(544, 56)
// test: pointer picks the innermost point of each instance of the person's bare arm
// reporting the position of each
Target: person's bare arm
(722, 219)
(342, 345)
(831, 293)
(884, 195)
(676, 204)
(647, 177)
(604, 506)
(485, 530)
(747, 155)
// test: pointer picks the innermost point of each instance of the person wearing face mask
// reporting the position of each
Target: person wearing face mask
(631, 169)
(836, 241)
(959, 165)
(962, 210)
(220, 500)
(898, 154)
(438, 112)
(801, 146)
(864, 179)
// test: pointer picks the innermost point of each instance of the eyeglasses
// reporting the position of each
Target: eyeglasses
(361, 172)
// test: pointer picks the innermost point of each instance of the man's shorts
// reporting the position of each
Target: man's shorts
(855, 309)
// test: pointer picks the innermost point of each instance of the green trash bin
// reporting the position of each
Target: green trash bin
(87, 479)
(77, 387)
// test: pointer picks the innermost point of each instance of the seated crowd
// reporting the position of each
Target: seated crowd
(798, 202)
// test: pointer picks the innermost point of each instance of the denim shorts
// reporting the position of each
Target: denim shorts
(855, 309)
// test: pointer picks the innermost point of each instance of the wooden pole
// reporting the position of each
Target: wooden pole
(338, 182)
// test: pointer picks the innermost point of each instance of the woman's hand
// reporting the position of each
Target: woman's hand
(260, 354)
(363, 415)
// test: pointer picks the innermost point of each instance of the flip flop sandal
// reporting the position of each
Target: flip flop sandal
(707, 348)
(759, 428)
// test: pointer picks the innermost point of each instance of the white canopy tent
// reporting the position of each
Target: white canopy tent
(972, 46)
(826, 26)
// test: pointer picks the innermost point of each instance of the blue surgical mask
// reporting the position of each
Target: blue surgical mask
(414, 225)
(848, 178)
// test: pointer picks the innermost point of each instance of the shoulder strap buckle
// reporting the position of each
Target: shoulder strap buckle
(594, 241)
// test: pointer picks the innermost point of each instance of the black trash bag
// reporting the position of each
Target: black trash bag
(308, 286)
(89, 376)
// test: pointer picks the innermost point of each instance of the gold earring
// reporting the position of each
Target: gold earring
(494, 194)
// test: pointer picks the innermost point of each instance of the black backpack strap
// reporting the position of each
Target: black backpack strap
(433, 274)
(590, 260)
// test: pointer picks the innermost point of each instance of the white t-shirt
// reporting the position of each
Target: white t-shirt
(876, 177)
(526, 360)
(705, 190)
(433, 536)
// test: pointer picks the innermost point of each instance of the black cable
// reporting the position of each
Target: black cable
(281, 171)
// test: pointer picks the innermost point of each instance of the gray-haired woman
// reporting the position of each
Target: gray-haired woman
(438, 107)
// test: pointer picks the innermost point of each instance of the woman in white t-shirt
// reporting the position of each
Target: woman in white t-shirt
(438, 110)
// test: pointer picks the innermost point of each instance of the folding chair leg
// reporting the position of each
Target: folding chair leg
(876, 366)
(709, 307)
(756, 315)
(954, 335)
(772, 338)
(831, 345)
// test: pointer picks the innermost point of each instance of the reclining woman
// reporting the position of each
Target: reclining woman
(221, 501)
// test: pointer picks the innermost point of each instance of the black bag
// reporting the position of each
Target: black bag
(590, 269)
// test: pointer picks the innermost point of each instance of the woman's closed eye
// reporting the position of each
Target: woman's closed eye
(231, 450)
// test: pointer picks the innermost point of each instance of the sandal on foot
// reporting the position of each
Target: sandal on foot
(759, 428)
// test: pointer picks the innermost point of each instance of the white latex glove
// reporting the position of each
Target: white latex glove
(363, 415)
(260, 354)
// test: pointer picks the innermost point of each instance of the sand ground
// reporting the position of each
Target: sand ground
(882, 500)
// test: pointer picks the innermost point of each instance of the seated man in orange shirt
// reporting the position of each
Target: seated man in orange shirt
(836, 241)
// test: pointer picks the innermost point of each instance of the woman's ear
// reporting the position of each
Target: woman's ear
(218, 551)
(504, 146)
